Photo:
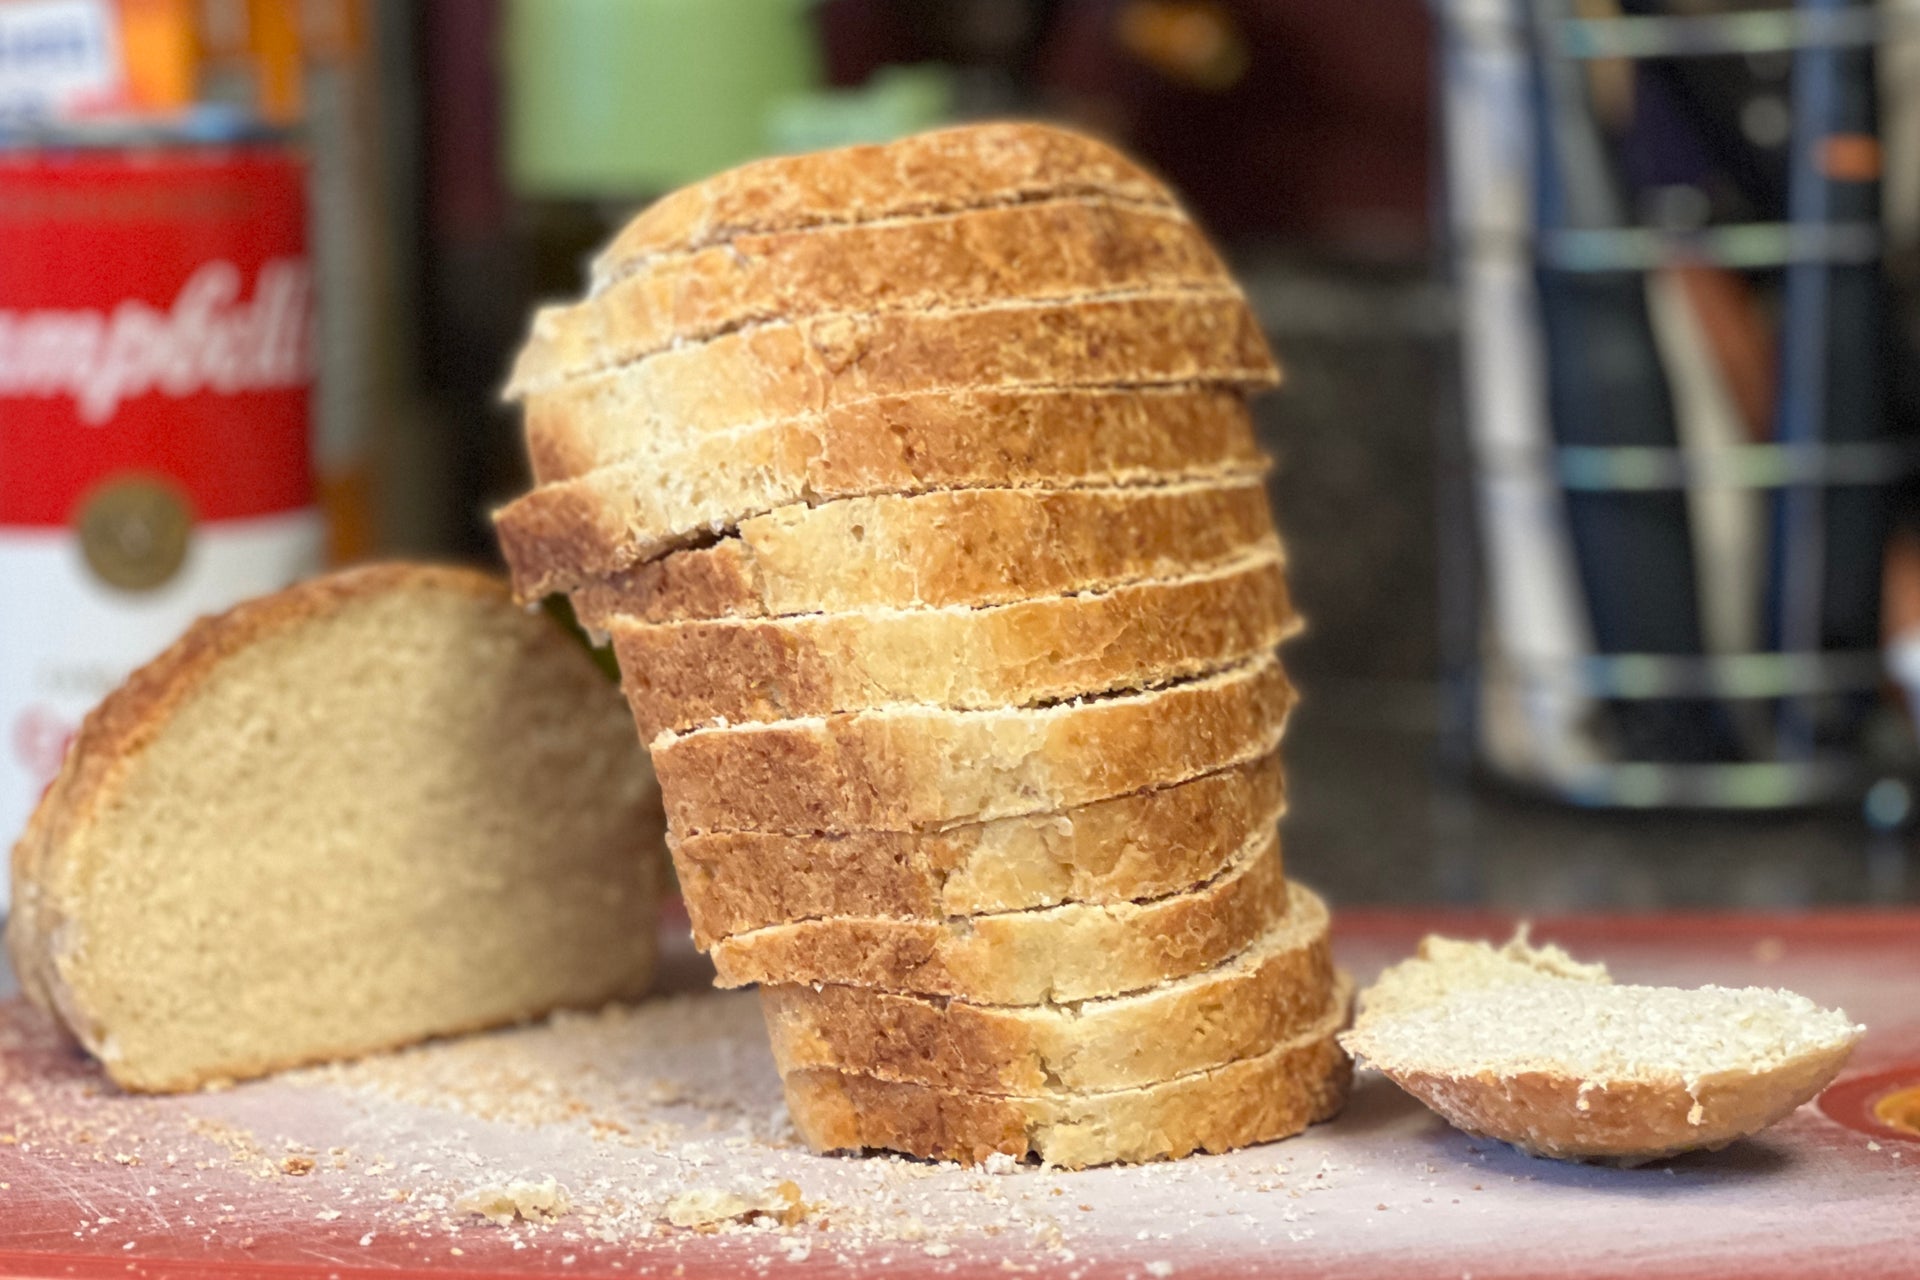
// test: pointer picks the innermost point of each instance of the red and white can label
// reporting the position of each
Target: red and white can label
(155, 389)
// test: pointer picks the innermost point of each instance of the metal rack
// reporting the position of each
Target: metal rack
(1524, 704)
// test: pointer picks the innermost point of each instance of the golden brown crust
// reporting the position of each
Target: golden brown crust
(899, 770)
(1057, 249)
(1259, 1099)
(1146, 845)
(969, 167)
(127, 720)
(1424, 1024)
(685, 674)
(1276, 989)
(1074, 951)
(954, 547)
(772, 372)
(615, 516)
(1624, 1122)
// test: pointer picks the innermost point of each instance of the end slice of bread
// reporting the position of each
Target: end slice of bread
(379, 806)
(1271, 1095)
(1533, 1048)
(1272, 991)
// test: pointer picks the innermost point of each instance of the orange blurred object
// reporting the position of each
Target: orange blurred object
(160, 41)
(1850, 157)
(253, 52)
(1195, 42)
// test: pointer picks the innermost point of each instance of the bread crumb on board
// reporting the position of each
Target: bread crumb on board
(520, 1199)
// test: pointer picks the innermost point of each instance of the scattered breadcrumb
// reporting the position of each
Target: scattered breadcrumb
(641, 1138)
(517, 1200)
(708, 1207)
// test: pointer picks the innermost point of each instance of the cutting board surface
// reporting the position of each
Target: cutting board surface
(662, 1111)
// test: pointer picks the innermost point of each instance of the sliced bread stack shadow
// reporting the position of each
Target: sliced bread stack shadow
(916, 489)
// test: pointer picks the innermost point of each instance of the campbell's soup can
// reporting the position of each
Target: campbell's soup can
(155, 391)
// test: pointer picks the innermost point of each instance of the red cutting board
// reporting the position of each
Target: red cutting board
(630, 1110)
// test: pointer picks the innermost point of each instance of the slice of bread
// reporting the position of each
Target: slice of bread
(683, 675)
(1075, 951)
(903, 768)
(617, 515)
(380, 806)
(1056, 249)
(1145, 845)
(1273, 991)
(1527, 1046)
(954, 547)
(771, 372)
(969, 167)
(1273, 1095)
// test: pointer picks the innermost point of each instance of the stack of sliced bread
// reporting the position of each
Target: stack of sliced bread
(916, 489)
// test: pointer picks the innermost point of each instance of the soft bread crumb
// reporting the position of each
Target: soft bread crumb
(520, 1199)
(709, 1207)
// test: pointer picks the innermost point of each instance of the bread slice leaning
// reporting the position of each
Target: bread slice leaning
(685, 674)
(1075, 951)
(969, 167)
(383, 805)
(903, 768)
(1274, 990)
(1145, 845)
(957, 547)
(771, 372)
(1527, 1046)
(1047, 438)
(1271, 1095)
(1050, 250)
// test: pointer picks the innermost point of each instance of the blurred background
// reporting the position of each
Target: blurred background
(1595, 451)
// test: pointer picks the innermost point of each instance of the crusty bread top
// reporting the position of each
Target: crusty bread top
(1059, 249)
(779, 370)
(969, 167)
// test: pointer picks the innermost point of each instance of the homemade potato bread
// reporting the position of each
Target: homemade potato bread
(902, 767)
(1073, 951)
(1273, 990)
(766, 373)
(1041, 437)
(688, 674)
(1267, 1095)
(379, 806)
(958, 547)
(1146, 844)
(915, 488)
